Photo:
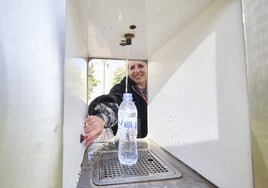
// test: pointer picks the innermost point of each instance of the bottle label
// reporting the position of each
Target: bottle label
(128, 124)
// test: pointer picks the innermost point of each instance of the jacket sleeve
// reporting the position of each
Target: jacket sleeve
(105, 107)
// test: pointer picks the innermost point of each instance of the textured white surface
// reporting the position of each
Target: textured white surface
(256, 39)
(198, 107)
(31, 95)
(96, 27)
(75, 111)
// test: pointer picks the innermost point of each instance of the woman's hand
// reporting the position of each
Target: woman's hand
(94, 126)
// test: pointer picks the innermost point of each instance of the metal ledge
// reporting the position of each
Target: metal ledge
(155, 168)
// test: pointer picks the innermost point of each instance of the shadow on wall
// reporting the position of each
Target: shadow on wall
(176, 53)
(260, 178)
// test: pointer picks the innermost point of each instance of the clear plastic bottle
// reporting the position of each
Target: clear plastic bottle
(127, 131)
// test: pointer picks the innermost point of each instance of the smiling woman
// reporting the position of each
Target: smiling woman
(102, 112)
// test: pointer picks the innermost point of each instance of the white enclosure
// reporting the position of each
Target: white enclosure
(202, 104)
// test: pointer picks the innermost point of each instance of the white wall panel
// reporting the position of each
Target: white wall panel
(31, 94)
(256, 41)
(75, 111)
(198, 106)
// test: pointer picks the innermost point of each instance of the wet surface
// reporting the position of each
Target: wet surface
(95, 172)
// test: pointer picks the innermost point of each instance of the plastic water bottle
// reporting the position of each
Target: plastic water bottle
(127, 131)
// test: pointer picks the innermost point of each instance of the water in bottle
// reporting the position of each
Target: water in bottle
(127, 131)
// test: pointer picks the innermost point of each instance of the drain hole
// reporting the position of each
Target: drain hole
(150, 160)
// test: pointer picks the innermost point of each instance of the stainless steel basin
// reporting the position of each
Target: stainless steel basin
(155, 168)
(149, 167)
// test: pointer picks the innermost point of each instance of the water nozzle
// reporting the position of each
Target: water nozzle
(129, 37)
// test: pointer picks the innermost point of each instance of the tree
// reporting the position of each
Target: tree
(119, 73)
(91, 80)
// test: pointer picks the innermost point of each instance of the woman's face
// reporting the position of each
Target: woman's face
(137, 71)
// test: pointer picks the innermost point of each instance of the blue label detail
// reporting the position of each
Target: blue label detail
(127, 124)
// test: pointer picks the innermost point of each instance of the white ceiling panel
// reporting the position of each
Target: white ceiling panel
(100, 25)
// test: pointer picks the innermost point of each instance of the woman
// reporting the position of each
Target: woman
(103, 110)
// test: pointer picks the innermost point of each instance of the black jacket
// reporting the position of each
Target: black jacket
(106, 106)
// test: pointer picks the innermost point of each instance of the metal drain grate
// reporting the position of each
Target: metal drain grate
(149, 167)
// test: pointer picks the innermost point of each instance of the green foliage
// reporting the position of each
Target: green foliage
(91, 80)
(119, 73)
